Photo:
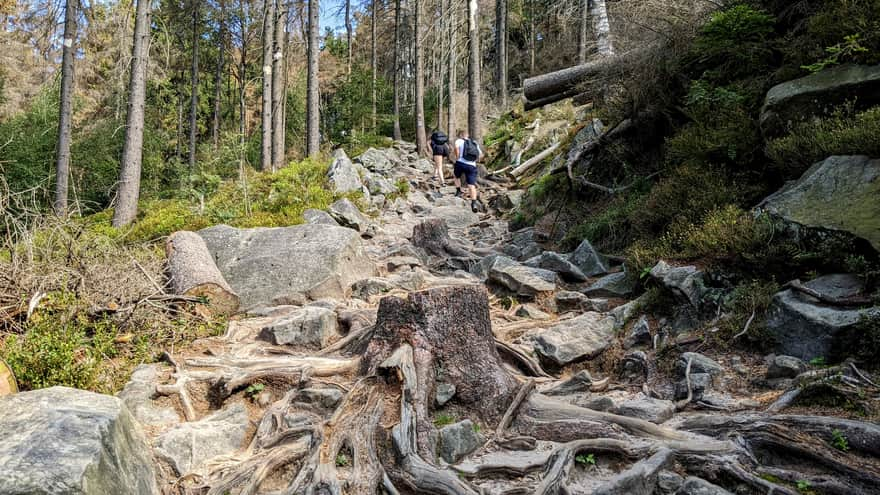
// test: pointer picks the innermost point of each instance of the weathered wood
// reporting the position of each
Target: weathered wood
(432, 235)
(194, 273)
(535, 160)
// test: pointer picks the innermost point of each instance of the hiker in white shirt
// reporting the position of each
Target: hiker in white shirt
(467, 153)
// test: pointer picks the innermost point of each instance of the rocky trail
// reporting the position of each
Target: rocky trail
(423, 348)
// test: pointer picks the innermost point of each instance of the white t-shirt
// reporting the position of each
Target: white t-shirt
(459, 147)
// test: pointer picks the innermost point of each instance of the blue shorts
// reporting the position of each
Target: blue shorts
(469, 171)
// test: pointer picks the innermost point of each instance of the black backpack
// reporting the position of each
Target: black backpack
(439, 137)
(470, 151)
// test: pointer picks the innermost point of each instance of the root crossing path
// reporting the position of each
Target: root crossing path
(473, 361)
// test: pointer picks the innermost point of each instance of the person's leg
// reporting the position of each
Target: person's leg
(457, 172)
(438, 168)
(472, 187)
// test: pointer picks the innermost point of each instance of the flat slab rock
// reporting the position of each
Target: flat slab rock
(524, 280)
(276, 266)
(62, 441)
(309, 326)
(188, 445)
(583, 337)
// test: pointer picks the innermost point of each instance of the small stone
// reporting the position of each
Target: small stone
(647, 408)
(458, 440)
(583, 337)
(668, 482)
(369, 287)
(343, 175)
(698, 486)
(700, 382)
(555, 262)
(531, 311)
(397, 262)
(785, 367)
(524, 280)
(614, 285)
(640, 334)
(309, 326)
(579, 382)
(685, 282)
(600, 403)
(567, 300)
(634, 366)
(327, 398)
(347, 214)
(445, 392)
(699, 364)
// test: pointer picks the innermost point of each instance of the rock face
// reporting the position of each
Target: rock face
(839, 193)
(62, 441)
(188, 445)
(524, 280)
(458, 440)
(309, 326)
(590, 262)
(555, 262)
(579, 338)
(819, 93)
(269, 267)
(343, 176)
(805, 328)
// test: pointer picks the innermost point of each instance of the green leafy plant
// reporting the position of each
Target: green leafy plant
(586, 460)
(804, 486)
(841, 52)
(818, 361)
(342, 460)
(254, 389)
(443, 419)
(839, 441)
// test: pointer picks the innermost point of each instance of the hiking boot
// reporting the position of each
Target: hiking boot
(458, 192)
(475, 206)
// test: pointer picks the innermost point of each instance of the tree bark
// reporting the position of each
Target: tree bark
(194, 90)
(266, 130)
(218, 78)
(65, 108)
(313, 138)
(278, 134)
(452, 76)
(373, 61)
(501, 50)
(599, 14)
(564, 83)
(421, 138)
(532, 35)
(474, 71)
(583, 15)
(396, 110)
(348, 36)
(194, 273)
(132, 150)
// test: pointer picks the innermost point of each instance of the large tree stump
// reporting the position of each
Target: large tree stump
(450, 333)
(432, 235)
(194, 273)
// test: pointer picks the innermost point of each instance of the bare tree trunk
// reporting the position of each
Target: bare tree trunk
(474, 70)
(373, 57)
(278, 146)
(194, 95)
(218, 78)
(348, 36)
(421, 141)
(178, 150)
(396, 110)
(132, 150)
(313, 138)
(532, 36)
(266, 131)
(62, 165)
(599, 14)
(583, 15)
(452, 76)
(501, 50)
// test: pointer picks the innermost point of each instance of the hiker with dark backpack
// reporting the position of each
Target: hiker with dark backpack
(439, 150)
(467, 154)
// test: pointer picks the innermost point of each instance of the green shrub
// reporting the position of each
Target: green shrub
(609, 229)
(749, 298)
(735, 41)
(844, 132)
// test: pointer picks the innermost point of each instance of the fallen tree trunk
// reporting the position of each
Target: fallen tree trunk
(531, 162)
(193, 273)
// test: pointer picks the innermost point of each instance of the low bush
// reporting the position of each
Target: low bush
(844, 132)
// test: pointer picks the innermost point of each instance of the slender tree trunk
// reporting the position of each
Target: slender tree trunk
(452, 77)
(421, 138)
(266, 113)
(194, 95)
(132, 150)
(396, 110)
(278, 135)
(583, 18)
(599, 14)
(474, 116)
(180, 98)
(218, 78)
(501, 50)
(348, 36)
(65, 108)
(533, 35)
(373, 62)
(441, 39)
(313, 138)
